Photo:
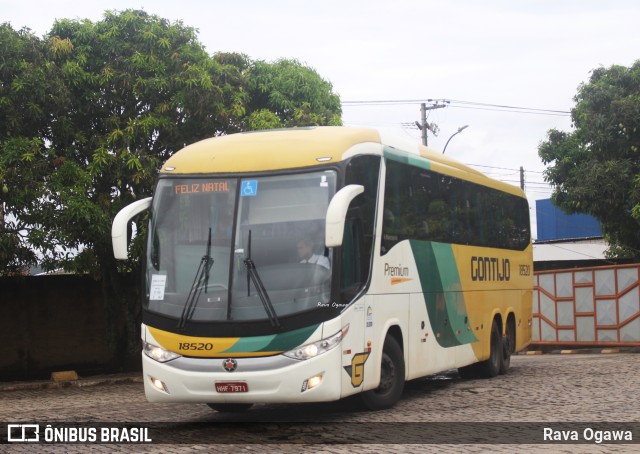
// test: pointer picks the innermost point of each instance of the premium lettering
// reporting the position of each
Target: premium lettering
(396, 271)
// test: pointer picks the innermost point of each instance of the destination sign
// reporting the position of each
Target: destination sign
(204, 187)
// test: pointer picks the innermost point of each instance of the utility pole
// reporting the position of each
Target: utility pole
(423, 123)
(522, 178)
(423, 126)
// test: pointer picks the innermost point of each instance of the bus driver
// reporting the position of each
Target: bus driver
(305, 252)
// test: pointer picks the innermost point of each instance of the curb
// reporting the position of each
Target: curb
(583, 351)
(79, 383)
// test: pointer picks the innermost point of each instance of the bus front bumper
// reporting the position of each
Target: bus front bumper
(276, 379)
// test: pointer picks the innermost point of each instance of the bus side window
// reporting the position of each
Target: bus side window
(357, 247)
(438, 219)
(352, 246)
(420, 204)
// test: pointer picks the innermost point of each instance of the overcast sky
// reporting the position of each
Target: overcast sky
(526, 53)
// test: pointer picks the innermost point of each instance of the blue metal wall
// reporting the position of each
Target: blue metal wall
(555, 224)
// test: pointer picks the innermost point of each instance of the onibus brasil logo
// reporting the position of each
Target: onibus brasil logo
(34, 433)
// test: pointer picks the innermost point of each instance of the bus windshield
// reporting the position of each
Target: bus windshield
(239, 248)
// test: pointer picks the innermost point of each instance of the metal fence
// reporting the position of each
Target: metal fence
(587, 306)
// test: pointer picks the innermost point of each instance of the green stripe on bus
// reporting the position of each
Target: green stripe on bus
(273, 342)
(442, 292)
(406, 158)
(251, 344)
(291, 339)
(455, 301)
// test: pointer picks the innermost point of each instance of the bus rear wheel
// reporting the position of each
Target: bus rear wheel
(492, 366)
(230, 408)
(388, 393)
(508, 346)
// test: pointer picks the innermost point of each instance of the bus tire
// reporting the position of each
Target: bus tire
(392, 374)
(468, 372)
(230, 408)
(508, 346)
(491, 367)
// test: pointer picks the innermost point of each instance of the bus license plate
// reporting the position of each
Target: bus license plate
(232, 387)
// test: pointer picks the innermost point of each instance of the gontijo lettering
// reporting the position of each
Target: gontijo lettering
(490, 269)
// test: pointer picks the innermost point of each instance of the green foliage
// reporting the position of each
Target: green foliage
(89, 112)
(31, 91)
(138, 88)
(263, 119)
(595, 169)
(294, 92)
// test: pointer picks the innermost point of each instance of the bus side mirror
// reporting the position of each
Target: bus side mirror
(337, 212)
(120, 224)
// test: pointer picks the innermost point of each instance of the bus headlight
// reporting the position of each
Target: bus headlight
(317, 348)
(158, 353)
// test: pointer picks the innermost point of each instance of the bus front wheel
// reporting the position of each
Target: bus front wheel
(388, 393)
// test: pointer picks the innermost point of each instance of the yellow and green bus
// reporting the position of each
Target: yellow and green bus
(311, 264)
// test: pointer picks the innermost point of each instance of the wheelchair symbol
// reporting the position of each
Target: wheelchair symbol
(249, 188)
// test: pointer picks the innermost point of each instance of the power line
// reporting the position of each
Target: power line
(564, 112)
(533, 187)
(494, 167)
(462, 105)
(509, 169)
(524, 111)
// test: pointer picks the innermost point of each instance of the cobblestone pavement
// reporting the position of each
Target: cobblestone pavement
(588, 389)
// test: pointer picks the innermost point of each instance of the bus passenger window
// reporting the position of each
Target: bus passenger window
(357, 246)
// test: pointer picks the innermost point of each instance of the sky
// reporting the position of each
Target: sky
(531, 54)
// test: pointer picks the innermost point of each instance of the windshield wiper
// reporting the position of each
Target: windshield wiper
(253, 276)
(200, 281)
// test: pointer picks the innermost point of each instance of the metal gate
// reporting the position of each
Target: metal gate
(587, 306)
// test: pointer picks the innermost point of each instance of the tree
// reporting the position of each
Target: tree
(31, 94)
(595, 168)
(287, 94)
(106, 104)
(140, 89)
(88, 114)
(282, 94)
